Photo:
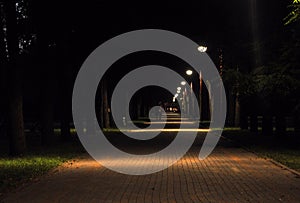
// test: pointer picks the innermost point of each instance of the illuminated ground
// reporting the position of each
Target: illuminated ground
(230, 174)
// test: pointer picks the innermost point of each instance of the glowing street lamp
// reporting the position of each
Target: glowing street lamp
(189, 72)
(183, 83)
(202, 48)
(179, 88)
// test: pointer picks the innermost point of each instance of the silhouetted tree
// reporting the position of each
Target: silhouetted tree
(15, 99)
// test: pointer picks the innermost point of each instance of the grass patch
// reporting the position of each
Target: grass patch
(284, 150)
(15, 171)
(288, 157)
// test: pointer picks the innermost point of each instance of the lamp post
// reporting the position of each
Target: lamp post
(201, 49)
(185, 98)
(184, 103)
(190, 107)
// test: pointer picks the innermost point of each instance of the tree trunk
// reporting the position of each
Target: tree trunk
(243, 117)
(66, 89)
(297, 122)
(105, 105)
(244, 122)
(65, 103)
(47, 111)
(64, 111)
(3, 80)
(47, 81)
(139, 108)
(102, 105)
(237, 114)
(253, 123)
(15, 99)
(15, 117)
(280, 125)
(267, 125)
(231, 109)
(205, 105)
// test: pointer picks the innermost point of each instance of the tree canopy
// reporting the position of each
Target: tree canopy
(294, 15)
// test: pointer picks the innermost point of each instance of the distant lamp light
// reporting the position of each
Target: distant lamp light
(202, 48)
(189, 72)
(174, 99)
(183, 83)
(178, 91)
(179, 88)
(176, 95)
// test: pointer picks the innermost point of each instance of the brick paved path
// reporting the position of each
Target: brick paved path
(230, 174)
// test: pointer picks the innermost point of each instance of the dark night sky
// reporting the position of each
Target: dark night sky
(218, 22)
(231, 25)
(227, 24)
